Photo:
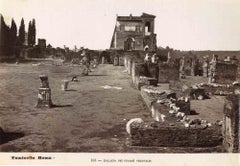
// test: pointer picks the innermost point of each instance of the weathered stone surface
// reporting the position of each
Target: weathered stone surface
(44, 93)
(174, 135)
(121, 60)
(178, 86)
(231, 124)
(168, 72)
(44, 97)
(196, 94)
(219, 90)
(226, 73)
(145, 81)
(150, 98)
(115, 60)
(138, 69)
(134, 40)
(153, 71)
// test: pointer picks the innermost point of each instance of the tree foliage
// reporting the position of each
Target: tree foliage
(13, 33)
(21, 36)
(12, 42)
(31, 33)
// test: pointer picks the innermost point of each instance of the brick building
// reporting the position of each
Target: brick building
(134, 33)
(42, 43)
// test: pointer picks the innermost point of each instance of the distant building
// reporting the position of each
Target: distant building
(42, 43)
(134, 33)
(49, 46)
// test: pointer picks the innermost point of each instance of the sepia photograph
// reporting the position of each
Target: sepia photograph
(130, 82)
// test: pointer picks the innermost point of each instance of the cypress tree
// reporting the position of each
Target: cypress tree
(4, 37)
(13, 33)
(33, 32)
(21, 35)
(30, 33)
(2, 31)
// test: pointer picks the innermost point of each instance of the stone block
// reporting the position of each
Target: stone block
(121, 60)
(231, 124)
(155, 134)
(44, 97)
(153, 70)
(115, 60)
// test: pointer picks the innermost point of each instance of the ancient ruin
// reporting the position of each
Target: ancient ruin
(131, 97)
(44, 93)
(134, 33)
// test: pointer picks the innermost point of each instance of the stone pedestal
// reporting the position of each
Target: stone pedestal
(44, 97)
(44, 93)
(84, 70)
(231, 124)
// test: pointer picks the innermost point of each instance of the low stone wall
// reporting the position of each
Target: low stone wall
(151, 101)
(231, 124)
(162, 134)
(150, 98)
(183, 88)
(221, 90)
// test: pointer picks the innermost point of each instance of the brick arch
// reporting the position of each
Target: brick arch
(129, 44)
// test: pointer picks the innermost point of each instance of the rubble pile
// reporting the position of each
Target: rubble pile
(218, 89)
(171, 124)
(143, 80)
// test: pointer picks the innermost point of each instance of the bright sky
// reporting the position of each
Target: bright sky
(180, 24)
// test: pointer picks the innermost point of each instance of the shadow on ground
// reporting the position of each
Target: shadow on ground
(56, 105)
(9, 136)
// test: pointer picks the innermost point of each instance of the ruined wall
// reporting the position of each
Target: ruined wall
(160, 134)
(231, 124)
(122, 36)
(226, 73)
(138, 69)
(153, 71)
(168, 72)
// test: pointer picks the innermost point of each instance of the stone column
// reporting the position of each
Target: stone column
(182, 67)
(103, 60)
(212, 69)
(205, 67)
(193, 65)
(44, 93)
